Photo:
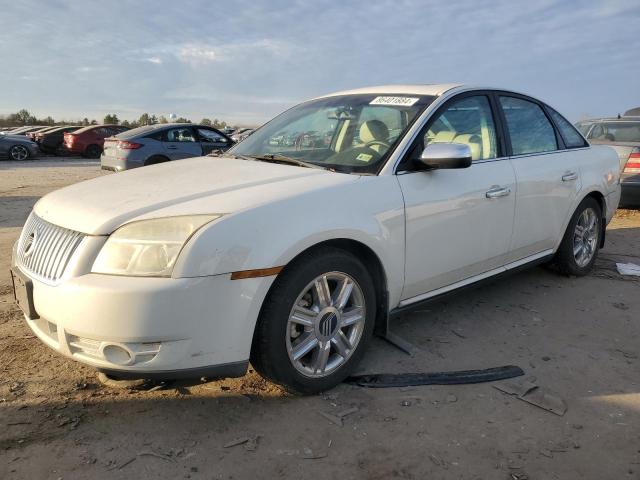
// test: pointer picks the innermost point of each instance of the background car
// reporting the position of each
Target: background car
(23, 130)
(623, 134)
(52, 141)
(32, 134)
(17, 147)
(88, 141)
(160, 143)
(241, 133)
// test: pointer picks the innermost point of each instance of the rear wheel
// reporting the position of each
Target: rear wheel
(93, 151)
(316, 322)
(18, 152)
(579, 248)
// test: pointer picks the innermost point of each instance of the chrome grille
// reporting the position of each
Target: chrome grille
(44, 249)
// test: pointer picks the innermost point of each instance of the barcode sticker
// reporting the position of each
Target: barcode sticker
(398, 101)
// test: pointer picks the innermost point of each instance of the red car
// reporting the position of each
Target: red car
(88, 141)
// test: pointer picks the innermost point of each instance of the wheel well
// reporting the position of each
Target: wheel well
(372, 263)
(153, 159)
(598, 197)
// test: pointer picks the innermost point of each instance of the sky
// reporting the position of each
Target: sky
(244, 62)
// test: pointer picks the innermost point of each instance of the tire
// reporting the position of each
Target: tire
(93, 151)
(19, 153)
(586, 244)
(154, 159)
(278, 339)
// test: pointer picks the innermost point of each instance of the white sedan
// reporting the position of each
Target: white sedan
(291, 248)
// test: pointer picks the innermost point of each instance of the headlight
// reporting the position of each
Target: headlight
(148, 248)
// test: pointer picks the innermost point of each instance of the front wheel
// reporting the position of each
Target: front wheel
(579, 248)
(18, 152)
(316, 322)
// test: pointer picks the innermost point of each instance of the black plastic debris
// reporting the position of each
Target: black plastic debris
(387, 380)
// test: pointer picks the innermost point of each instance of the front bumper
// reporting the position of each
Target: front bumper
(134, 327)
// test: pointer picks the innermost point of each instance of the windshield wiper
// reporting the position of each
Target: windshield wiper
(277, 158)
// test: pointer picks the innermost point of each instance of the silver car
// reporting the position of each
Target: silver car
(17, 147)
(622, 134)
(160, 143)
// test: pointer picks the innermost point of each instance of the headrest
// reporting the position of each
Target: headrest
(374, 130)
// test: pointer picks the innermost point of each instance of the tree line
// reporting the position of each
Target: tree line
(24, 117)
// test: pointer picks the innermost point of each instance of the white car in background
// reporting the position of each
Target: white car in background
(289, 254)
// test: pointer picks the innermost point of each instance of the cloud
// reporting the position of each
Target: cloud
(195, 55)
(154, 60)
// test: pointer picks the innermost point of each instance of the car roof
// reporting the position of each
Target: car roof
(416, 89)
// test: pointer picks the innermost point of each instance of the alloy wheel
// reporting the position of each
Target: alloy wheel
(585, 237)
(18, 152)
(325, 324)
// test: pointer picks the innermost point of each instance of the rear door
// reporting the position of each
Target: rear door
(458, 222)
(181, 142)
(547, 176)
(211, 140)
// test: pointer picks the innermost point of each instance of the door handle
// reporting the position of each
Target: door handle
(172, 147)
(497, 191)
(568, 176)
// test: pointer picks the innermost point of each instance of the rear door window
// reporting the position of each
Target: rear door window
(529, 128)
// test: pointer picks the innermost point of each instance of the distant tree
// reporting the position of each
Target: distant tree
(144, 119)
(49, 120)
(206, 121)
(153, 120)
(219, 123)
(125, 123)
(111, 118)
(94, 122)
(85, 121)
(163, 119)
(23, 117)
(183, 120)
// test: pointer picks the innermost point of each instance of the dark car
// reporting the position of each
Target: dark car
(623, 134)
(32, 134)
(23, 130)
(88, 141)
(52, 141)
(160, 143)
(17, 147)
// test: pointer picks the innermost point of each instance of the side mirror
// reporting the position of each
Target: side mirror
(446, 155)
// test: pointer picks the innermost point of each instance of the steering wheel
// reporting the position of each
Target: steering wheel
(376, 142)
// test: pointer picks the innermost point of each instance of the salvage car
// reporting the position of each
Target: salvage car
(17, 147)
(292, 258)
(160, 143)
(623, 135)
(88, 141)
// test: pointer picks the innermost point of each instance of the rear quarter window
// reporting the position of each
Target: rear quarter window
(570, 136)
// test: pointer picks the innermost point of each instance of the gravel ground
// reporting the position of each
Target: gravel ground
(577, 338)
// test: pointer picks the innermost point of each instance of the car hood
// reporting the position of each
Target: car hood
(195, 186)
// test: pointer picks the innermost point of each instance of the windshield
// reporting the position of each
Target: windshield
(348, 133)
(616, 131)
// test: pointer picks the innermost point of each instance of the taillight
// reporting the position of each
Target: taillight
(633, 164)
(124, 145)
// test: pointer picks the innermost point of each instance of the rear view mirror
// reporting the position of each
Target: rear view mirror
(446, 155)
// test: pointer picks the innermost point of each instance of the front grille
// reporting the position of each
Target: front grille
(44, 249)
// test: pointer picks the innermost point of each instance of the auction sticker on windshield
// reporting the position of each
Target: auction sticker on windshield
(399, 101)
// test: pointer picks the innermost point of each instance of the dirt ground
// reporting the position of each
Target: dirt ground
(577, 338)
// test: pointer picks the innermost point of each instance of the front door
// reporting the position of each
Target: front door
(458, 222)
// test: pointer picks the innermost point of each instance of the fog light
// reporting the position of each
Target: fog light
(116, 354)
